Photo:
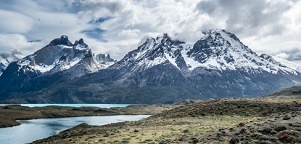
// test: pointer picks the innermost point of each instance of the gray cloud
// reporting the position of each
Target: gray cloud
(248, 18)
(293, 55)
(12, 22)
(266, 26)
(9, 42)
(93, 7)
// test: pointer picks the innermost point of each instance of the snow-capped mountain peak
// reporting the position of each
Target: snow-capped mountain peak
(222, 50)
(59, 55)
(153, 51)
(80, 45)
(215, 43)
(217, 50)
(63, 40)
(162, 69)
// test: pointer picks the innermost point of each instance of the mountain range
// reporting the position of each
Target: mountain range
(160, 70)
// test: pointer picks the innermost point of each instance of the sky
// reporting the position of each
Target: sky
(116, 27)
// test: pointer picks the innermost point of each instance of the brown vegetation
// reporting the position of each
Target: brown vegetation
(268, 120)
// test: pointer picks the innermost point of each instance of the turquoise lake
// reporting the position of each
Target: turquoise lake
(31, 130)
(79, 105)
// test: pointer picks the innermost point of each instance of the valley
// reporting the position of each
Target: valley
(234, 120)
(171, 71)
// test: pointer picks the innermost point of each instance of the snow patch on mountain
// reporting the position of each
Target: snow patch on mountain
(217, 49)
(60, 55)
(80, 47)
(222, 50)
(171, 59)
(43, 68)
(156, 61)
(74, 62)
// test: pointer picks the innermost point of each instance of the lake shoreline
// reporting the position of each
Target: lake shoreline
(10, 115)
(35, 129)
(232, 120)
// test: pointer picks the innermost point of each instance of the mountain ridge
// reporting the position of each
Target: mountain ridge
(48, 65)
(167, 70)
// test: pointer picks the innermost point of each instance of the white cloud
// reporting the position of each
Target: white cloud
(14, 22)
(270, 27)
(129, 33)
(9, 42)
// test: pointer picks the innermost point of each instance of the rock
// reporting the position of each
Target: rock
(242, 124)
(265, 131)
(265, 142)
(194, 140)
(285, 137)
(262, 137)
(186, 131)
(106, 134)
(280, 128)
(234, 140)
(253, 135)
(295, 124)
(136, 130)
(286, 117)
(243, 130)
(165, 141)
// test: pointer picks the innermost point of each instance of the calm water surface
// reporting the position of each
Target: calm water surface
(31, 130)
(78, 105)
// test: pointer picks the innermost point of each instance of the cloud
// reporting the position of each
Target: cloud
(116, 27)
(129, 33)
(95, 33)
(9, 42)
(294, 55)
(244, 17)
(14, 22)
(100, 20)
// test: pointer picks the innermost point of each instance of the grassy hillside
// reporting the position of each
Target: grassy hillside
(264, 120)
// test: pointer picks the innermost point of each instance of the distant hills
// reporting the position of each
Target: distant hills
(160, 70)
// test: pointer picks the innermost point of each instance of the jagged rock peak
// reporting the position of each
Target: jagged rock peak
(161, 40)
(108, 56)
(217, 42)
(63, 40)
(103, 58)
(80, 45)
(265, 56)
(217, 33)
(80, 41)
(166, 39)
